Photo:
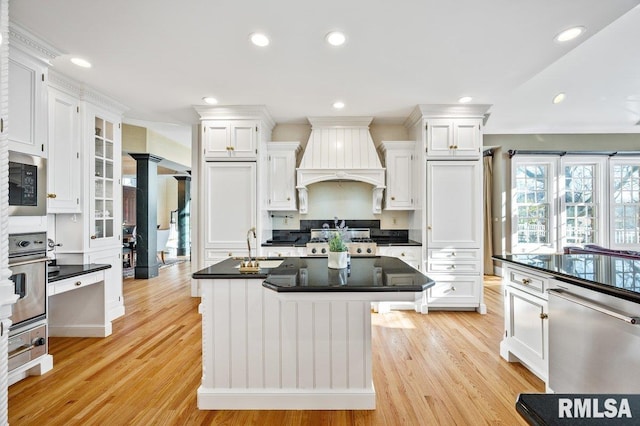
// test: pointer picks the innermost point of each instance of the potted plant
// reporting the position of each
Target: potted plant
(337, 252)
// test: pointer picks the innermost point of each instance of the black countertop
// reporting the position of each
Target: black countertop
(69, 271)
(613, 275)
(311, 274)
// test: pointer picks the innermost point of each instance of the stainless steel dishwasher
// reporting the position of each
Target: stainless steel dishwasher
(594, 341)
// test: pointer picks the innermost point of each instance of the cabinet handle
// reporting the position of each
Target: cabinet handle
(1, 125)
(429, 227)
(393, 198)
(455, 147)
(450, 146)
(452, 267)
(288, 198)
(93, 237)
(544, 316)
(230, 254)
(401, 254)
(51, 195)
(453, 288)
(526, 281)
(453, 254)
(78, 283)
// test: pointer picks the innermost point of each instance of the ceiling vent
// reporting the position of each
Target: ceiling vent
(340, 148)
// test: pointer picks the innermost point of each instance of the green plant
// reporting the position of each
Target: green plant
(336, 243)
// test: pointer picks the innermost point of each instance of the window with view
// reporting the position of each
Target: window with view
(625, 203)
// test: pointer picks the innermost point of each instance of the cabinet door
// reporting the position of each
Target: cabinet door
(282, 184)
(439, 138)
(114, 301)
(399, 192)
(28, 104)
(65, 167)
(229, 139)
(244, 136)
(454, 204)
(466, 138)
(229, 194)
(527, 329)
(105, 201)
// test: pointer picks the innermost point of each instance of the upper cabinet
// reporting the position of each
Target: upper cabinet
(399, 163)
(65, 164)
(27, 103)
(454, 138)
(230, 139)
(282, 171)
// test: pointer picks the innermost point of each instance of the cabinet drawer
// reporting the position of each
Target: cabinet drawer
(454, 254)
(217, 255)
(453, 266)
(73, 283)
(526, 281)
(454, 291)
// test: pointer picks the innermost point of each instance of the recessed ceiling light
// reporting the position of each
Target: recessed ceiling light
(559, 98)
(259, 39)
(465, 99)
(210, 100)
(81, 62)
(336, 38)
(570, 34)
(338, 104)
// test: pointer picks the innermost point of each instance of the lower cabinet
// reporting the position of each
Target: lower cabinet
(526, 336)
(454, 291)
(114, 300)
(411, 255)
(283, 251)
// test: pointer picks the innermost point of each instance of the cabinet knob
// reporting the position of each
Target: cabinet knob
(288, 198)
(401, 254)
(453, 254)
(544, 316)
(453, 288)
(230, 254)
(455, 147)
(51, 195)
(450, 146)
(452, 267)
(93, 237)
(429, 227)
(78, 283)
(526, 281)
(393, 198)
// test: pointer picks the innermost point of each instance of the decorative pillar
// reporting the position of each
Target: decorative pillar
(184, 207)
(146, 215)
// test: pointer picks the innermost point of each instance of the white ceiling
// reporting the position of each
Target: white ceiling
(160, 57)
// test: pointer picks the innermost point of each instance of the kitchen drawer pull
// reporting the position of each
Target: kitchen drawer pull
(595, 306)
(78, 283)
(453, 288)
(452, 267)
(393, 198)
(544, 316)
(526, 281)
(51, 195)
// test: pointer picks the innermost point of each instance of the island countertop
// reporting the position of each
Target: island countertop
(613, 275)
(311, 274)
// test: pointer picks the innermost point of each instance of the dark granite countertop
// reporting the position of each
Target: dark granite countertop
(69, 271)
(311, 274)
(613, 275)
(298, 243)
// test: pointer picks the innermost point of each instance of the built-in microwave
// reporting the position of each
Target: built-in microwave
(27, 185)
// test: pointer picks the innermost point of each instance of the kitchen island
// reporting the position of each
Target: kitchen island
(295, 335)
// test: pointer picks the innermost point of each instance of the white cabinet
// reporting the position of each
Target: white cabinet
(27, 103)
(230, 139)
(409, 254)
(454, 204)
(399, 163)
(458, 138)
(229, 205)
(64, 162)
(284, 251)
(282, 172)
(454, 234)
(114, 300)
(526, 337)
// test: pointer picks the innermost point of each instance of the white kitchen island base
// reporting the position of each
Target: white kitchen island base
(268, 350)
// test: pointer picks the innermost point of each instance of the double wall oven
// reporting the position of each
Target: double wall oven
(28, 265)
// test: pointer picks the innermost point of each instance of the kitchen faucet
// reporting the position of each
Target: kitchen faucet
(249, 266)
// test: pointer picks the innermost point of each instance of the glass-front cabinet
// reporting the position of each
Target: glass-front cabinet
(105, 187)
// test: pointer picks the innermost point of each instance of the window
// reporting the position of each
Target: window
(589, 200)
(532, 201)
(625, 203)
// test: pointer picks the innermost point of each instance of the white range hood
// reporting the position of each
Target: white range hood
(340, 148)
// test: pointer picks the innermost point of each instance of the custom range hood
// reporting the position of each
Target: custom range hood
(340, 148)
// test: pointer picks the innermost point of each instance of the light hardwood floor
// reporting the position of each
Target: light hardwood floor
(437, 369)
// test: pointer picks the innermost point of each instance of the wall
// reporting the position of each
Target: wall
(347, 200)
(167, 199)
(502, 171)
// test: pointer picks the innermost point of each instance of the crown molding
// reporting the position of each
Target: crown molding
(234, 112)
(83, 92)
(340, 121)
(26, 41)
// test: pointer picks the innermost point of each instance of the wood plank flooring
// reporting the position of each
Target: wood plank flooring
(443, 368)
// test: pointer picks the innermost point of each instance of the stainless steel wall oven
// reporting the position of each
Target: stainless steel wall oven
(28, 265)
